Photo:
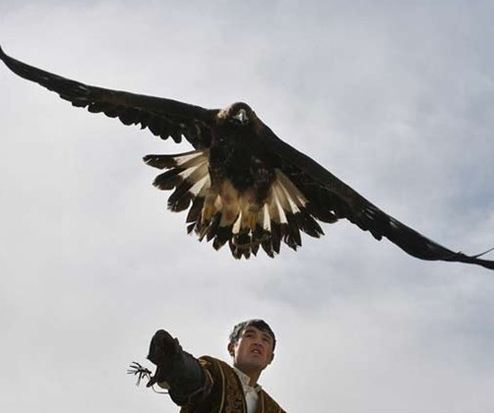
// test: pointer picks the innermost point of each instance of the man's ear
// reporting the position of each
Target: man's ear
(272, 358)
(231, 348)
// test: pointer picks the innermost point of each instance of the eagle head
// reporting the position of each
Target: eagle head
(238, 114)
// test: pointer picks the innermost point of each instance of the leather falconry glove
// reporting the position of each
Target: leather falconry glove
(179, 369)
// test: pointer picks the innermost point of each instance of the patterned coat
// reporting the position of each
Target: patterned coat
(223, 392)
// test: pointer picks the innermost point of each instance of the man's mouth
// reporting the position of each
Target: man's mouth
(256, 351)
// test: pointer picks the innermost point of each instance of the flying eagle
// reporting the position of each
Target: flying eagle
(241, 184)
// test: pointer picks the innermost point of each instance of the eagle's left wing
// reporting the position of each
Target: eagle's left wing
(163, 117)
(330, 199)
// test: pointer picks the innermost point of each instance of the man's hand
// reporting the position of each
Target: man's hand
(176, 369)
(163, 348)
(164, 352)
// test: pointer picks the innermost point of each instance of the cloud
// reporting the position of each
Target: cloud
(395, 99)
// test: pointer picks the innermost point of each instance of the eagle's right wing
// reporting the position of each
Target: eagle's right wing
(330, 199)
(163, 117)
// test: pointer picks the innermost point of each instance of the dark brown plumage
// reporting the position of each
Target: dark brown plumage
(241, 183)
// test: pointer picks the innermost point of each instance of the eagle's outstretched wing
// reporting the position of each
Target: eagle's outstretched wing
(331, 199)
(163, 117)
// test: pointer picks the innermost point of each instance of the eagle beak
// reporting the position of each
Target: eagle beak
(241, 116)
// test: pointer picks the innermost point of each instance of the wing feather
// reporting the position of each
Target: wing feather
(163, 117)
(330, 198)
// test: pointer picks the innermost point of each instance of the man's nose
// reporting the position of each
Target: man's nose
(258, 342)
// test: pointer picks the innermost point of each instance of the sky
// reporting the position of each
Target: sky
(396, 98)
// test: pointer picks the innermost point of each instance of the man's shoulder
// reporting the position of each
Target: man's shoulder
(209, 361)
(218, 371)
(270, 405)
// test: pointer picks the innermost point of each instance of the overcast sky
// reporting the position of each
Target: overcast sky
(396, 98)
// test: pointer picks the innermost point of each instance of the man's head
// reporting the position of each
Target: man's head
(252, 346)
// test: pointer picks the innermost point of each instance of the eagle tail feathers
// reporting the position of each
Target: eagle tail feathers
(182, 160)
(222, 214)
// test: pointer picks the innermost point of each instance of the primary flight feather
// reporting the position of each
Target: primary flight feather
(241, 184)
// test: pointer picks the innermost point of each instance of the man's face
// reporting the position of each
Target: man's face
(253, 351)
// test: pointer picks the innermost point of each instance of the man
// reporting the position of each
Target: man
(208, 385)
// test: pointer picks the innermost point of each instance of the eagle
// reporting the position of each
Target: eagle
(241, 184)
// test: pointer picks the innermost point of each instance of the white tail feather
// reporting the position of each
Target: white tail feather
(292, 191)
(236, 225)
(191, 159)
(275, 207)
(266, 222)
(201, 186)
(197, 175)
(202, 167)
